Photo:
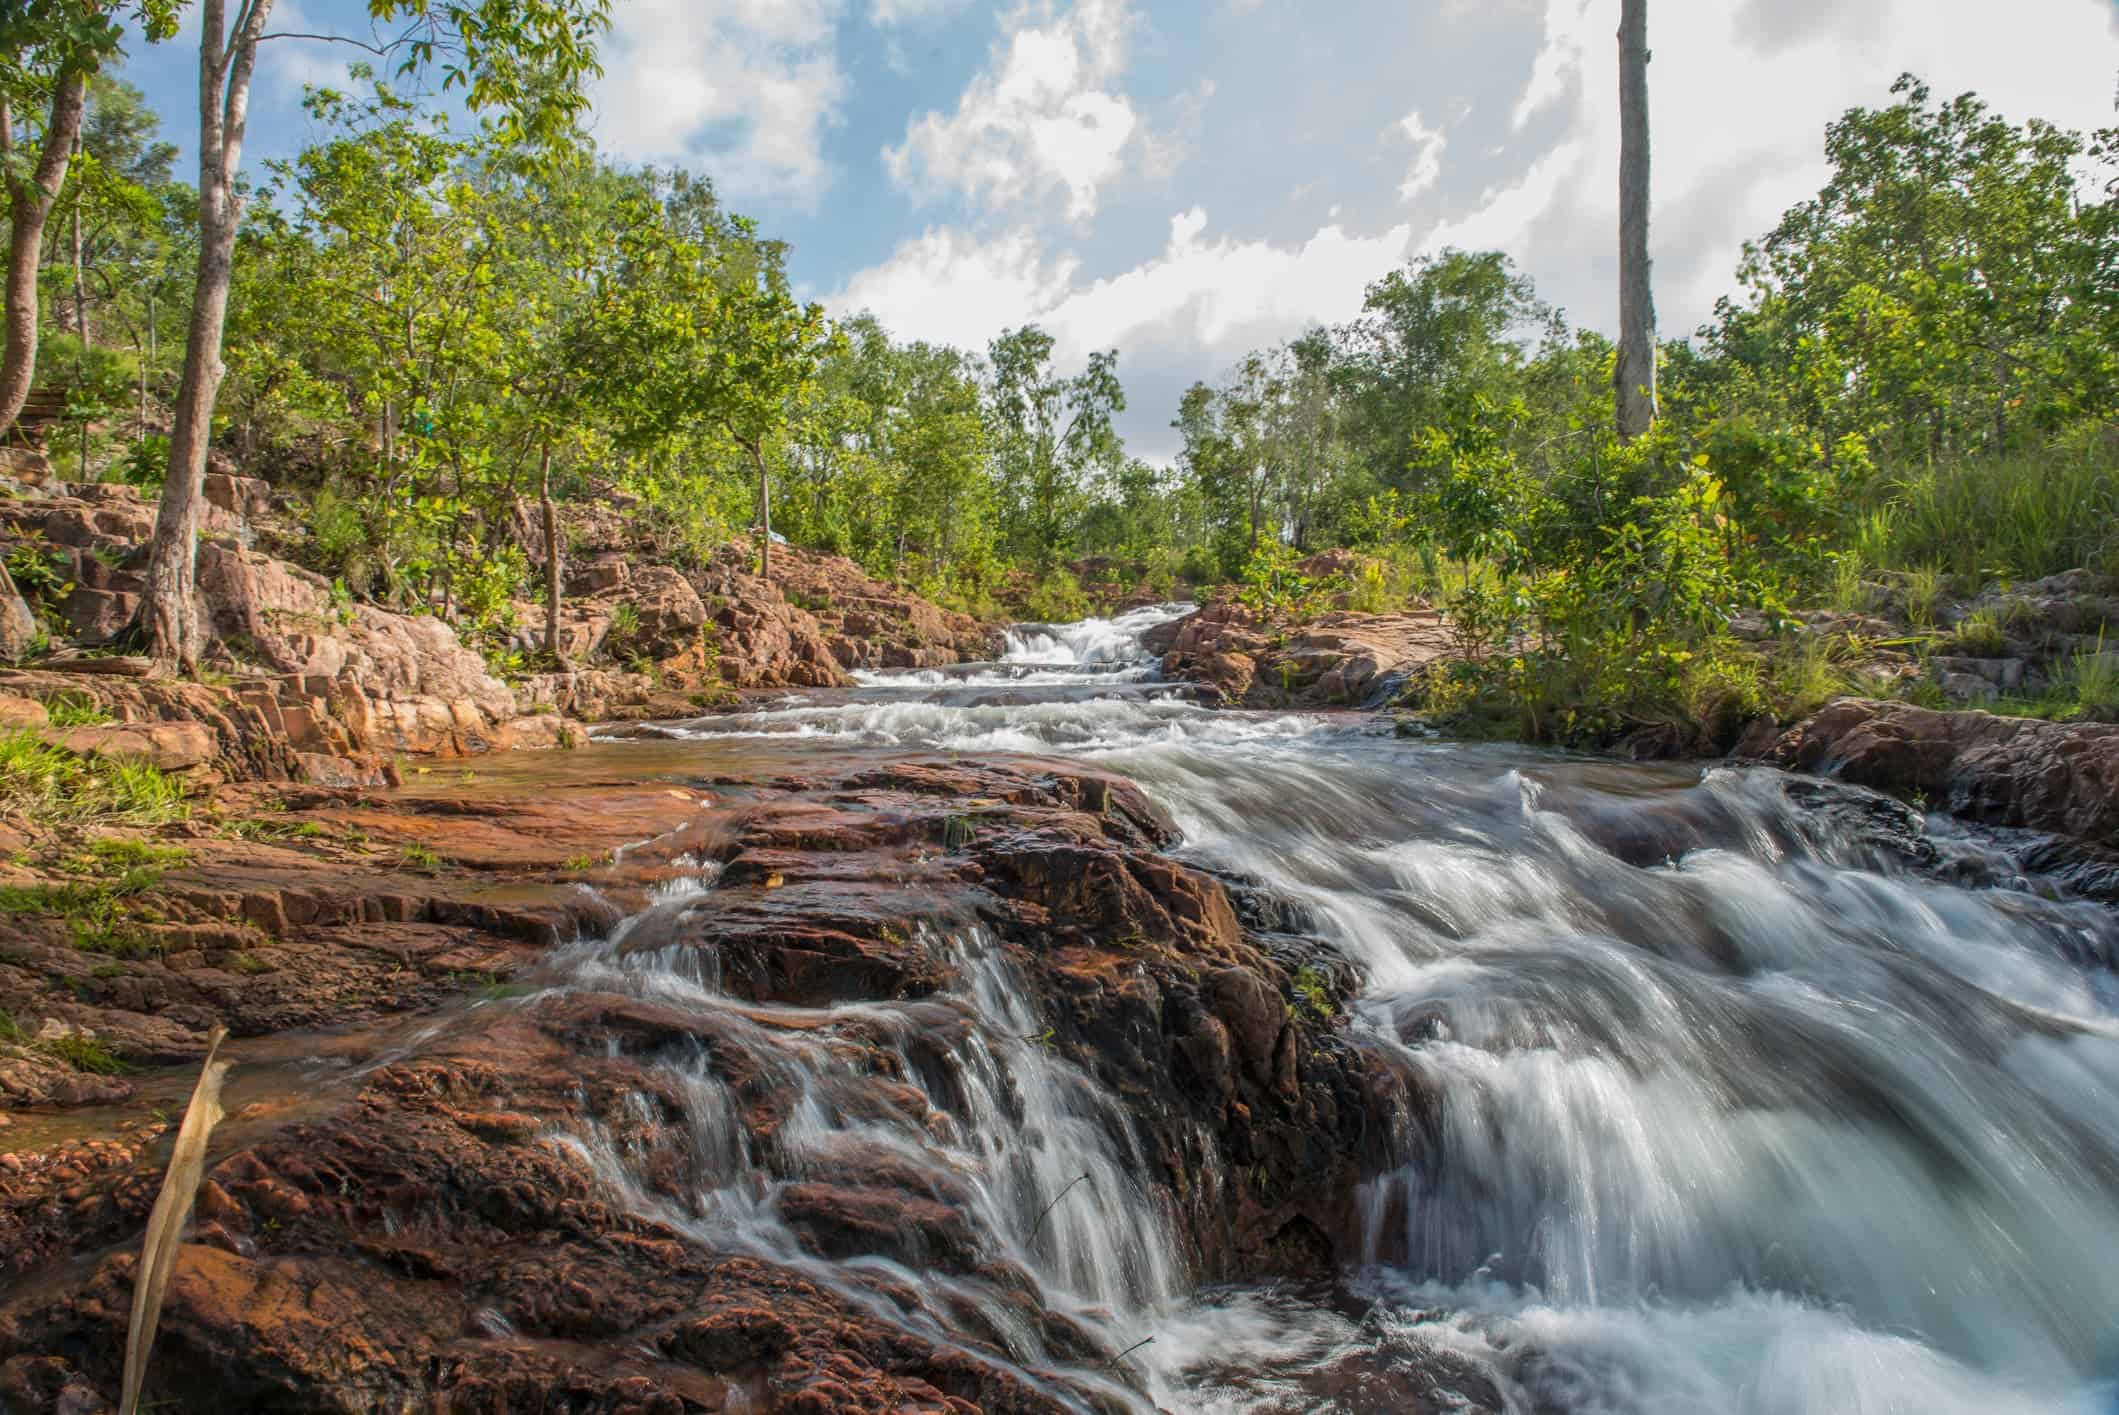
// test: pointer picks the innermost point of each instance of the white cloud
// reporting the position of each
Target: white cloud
(1044, 116)
(948, 287)
(1428, 147)
(1559, 60)
(1740, 96)
(741, 89)
(911, 12)
(1191, 310)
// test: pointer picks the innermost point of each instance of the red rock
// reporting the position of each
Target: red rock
(2008, 771)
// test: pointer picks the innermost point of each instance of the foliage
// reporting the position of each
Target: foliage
(1056, 598)
(48, 785)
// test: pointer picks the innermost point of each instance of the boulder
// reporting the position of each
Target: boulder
(670, 611)
(2008, 771)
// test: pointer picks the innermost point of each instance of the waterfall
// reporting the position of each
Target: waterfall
(1735, 1111)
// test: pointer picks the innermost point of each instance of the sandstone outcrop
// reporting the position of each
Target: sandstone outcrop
(2003, 771)
(409, 1230)
(1338, 659)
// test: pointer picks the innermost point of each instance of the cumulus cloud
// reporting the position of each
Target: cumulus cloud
(1045, 116)
(1428, 147)
(1741, 96)
(744, 89)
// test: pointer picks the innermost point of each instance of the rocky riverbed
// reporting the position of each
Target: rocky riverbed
(1021, 1035)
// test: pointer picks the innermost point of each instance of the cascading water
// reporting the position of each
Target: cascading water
(1710, 1103)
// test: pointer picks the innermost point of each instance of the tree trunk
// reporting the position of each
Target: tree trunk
(765, 513)
(171, 617)
(552, 575)
(30, 205)
(80, 279)
(1636, 375)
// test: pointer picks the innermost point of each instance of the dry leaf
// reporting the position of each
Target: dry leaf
(180, 1186)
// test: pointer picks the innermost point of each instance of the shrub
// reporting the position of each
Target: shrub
(1980, 636)
(1056, 598)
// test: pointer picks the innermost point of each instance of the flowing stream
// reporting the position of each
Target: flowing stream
(1733, 1109)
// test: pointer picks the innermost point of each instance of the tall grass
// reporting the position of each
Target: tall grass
(2023, 516)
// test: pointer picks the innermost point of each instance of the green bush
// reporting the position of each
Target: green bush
(1056, 598)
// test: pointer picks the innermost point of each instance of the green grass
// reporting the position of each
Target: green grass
(1807, 676)
(1850, 591)
(75, 710)
(83, 1054)
(1980, 636)
(50, 786)
(422, 857)
(256, 830)
(137, 854)
(1977, 518)
(2083, 688)
(101, 909)
(1923, 591)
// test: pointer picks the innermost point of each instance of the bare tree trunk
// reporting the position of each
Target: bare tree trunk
(30, 206)
(172, 623)
(1636, 376)
(552, 575)
(80, 281)
(765, 513)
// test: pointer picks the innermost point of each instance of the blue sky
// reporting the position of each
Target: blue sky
(1188, 181)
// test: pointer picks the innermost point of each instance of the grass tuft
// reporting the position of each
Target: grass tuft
(52, 786)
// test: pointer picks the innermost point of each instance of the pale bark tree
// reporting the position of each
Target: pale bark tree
(227, 59)
(1636, 375)
(30, 202)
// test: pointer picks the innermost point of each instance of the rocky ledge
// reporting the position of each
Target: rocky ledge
(1339, 659)
(2056, 782)
(419, 1228)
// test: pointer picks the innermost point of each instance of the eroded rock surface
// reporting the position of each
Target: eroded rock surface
(1339, 659)
(430, 1233)
(2004, 771)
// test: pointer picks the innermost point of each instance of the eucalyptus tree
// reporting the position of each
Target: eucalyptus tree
(526, 60)
(1050, 431)
(1635, 373)
(49, 53)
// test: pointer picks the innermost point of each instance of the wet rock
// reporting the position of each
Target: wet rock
(442, 1230)
(2020, 772)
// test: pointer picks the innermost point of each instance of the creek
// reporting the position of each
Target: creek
(1715, 1092)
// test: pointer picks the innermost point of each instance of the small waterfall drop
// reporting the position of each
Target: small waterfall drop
(1710, 1103)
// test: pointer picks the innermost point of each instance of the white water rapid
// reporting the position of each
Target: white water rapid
(1733, 1110)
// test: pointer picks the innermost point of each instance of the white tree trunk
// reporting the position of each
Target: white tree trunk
(171, 617)
(1636, 375)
